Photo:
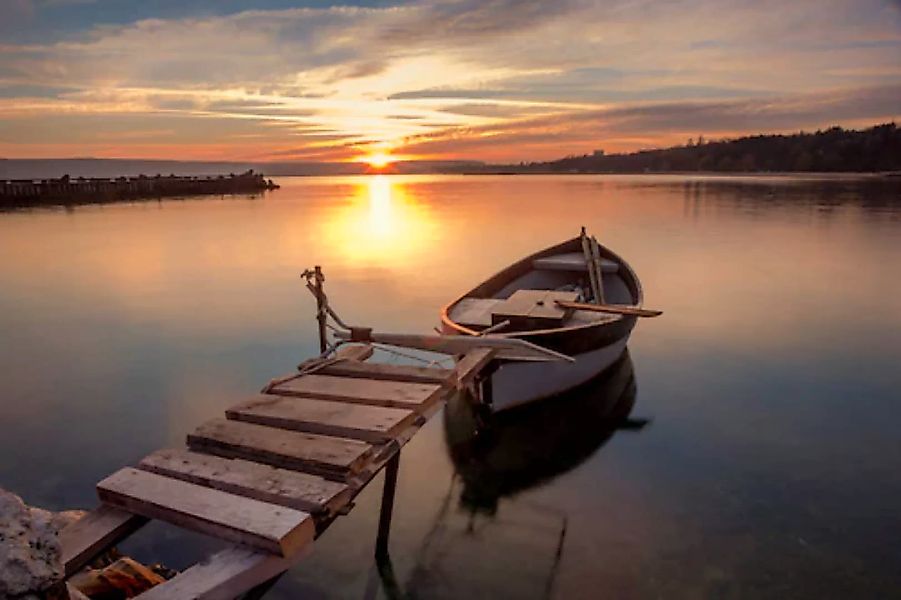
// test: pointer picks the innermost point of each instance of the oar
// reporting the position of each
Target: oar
(617, 309)
(596, 265)
(589, 263)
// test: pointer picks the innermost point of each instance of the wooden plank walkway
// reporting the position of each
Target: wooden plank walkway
(275, 473)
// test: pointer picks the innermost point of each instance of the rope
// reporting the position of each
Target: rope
(329, 313)
(392, 350)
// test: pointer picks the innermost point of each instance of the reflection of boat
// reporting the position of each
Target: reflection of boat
(478, 549)
(521, 448)
(543, 299)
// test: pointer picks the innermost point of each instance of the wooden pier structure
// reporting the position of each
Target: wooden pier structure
(275, 472)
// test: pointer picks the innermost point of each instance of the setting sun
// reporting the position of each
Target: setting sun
(379, 160)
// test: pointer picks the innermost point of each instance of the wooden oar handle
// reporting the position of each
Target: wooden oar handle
(617, 309)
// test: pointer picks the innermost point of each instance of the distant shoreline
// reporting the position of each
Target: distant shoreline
(733, 174)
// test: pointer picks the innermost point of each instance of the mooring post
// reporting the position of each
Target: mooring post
(381, 543)
(320, 309)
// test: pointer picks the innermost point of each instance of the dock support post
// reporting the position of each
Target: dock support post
(320, 309)
(381, 543)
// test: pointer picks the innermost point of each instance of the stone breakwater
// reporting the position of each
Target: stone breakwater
(19, 193)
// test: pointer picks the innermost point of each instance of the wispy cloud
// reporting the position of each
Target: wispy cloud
(495, 78)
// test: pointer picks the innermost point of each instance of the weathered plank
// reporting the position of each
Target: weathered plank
(533, 308)
(223, 576)
(388, 372)
(618, 309)
(507, 348)
(301, 491)
(473, 362)
(268, 527)
(377, 392)
(94, 533)
(331, 457)
(340, 419)
(474, 312)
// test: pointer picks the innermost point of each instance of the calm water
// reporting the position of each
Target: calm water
(770, 467)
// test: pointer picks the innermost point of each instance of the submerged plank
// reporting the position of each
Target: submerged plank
(223, 576)
(412, 374)
(275, 529)
(312, 453)
(94, 533)
(357, 421)
(301, 491)
(393, 394)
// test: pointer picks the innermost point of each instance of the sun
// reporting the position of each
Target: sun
(379, 160)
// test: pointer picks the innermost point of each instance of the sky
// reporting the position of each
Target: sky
(492, 80)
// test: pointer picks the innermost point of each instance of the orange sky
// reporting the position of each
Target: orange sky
(495, 80)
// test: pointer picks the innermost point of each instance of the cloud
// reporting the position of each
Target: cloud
(432, 73)
(635, 125)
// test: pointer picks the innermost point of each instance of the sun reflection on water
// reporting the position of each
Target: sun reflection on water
(382, 226)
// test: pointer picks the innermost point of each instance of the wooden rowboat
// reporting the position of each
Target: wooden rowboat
(578, 298)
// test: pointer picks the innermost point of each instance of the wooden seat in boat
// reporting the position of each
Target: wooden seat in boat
(533, 309)
(571, 261)
(474, 312)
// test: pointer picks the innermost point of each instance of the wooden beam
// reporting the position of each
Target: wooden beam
(224, 576)
(334, 458)
(94, 533)
(264, 526)
(376, 392)
(387, 508)
(617, 309)
(596, 265)
(301, 491)
(339, 419)
(592, 273)
(410, 374)
(474, 361)
(508, 348)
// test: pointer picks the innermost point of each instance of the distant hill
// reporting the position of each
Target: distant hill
(877, 149)
(45, 168)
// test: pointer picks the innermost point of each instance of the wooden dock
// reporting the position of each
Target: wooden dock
(275, 472)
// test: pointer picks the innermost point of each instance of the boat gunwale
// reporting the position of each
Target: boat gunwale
(522, 266)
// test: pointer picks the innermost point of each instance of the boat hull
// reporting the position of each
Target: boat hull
(594, 343)
(516, 383)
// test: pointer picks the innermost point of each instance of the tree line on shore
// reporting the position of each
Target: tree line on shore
(877, 149)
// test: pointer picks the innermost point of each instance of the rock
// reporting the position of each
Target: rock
(30, 553)
(31, 559)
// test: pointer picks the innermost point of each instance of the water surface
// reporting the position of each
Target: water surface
(770, 466)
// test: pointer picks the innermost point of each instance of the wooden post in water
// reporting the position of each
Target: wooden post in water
(320, 309)
(381, 542)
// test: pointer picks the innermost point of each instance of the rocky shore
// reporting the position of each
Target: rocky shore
(31, 560)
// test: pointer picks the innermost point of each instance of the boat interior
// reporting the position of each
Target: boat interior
(524, 296)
